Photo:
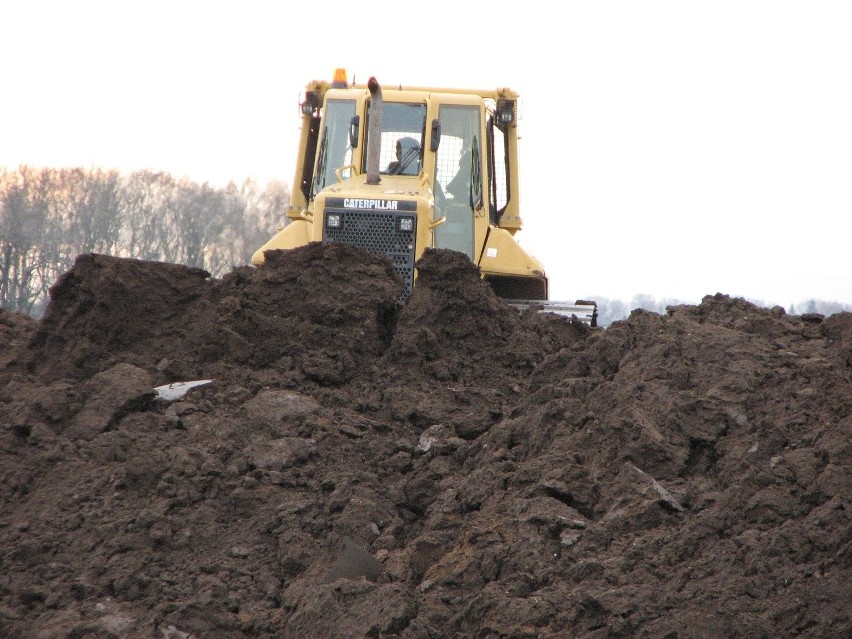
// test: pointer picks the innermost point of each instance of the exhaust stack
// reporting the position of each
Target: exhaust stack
(374, 132)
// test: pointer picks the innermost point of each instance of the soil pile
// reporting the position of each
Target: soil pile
(449, 469)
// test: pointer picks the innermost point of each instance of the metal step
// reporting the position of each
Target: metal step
(583, 310)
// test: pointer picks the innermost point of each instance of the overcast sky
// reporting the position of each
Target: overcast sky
(669, 148)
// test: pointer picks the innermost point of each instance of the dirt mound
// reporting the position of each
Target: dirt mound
(313, 309)
(449, 469)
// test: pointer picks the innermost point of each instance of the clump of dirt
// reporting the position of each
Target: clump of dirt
(16, 330)
(449, 469)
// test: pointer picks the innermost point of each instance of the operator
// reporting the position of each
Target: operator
(407, 157)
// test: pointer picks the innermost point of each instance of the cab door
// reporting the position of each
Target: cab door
(458, 174)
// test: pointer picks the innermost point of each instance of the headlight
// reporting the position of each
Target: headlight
(406, 224)
(332, 220)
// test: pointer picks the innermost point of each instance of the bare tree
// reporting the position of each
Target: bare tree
(251, 217)
(86, 212)
(271, 211)
(23, 219)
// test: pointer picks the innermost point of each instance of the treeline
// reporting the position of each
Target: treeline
(50, 216)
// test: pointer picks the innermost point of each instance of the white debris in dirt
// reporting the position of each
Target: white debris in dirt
(176, 390)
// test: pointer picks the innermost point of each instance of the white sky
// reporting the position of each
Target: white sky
(670, 148)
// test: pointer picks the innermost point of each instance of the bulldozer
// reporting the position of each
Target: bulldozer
(396, 171)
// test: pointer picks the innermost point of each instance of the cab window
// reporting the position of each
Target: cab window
(458, 176)
(403, 130)
(335, 150)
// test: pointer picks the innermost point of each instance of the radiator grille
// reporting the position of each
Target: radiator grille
(379, 233)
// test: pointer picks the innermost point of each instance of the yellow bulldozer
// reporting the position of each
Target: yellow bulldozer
(398, 170)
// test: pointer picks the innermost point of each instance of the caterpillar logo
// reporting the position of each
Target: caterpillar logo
(358, 203)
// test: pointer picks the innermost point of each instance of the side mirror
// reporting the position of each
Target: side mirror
(436, 135)
(354, 127)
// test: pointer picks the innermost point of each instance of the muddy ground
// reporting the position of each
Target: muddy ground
(451, 469)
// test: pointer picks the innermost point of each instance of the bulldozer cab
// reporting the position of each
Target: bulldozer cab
(442, 134)
(397, 171)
